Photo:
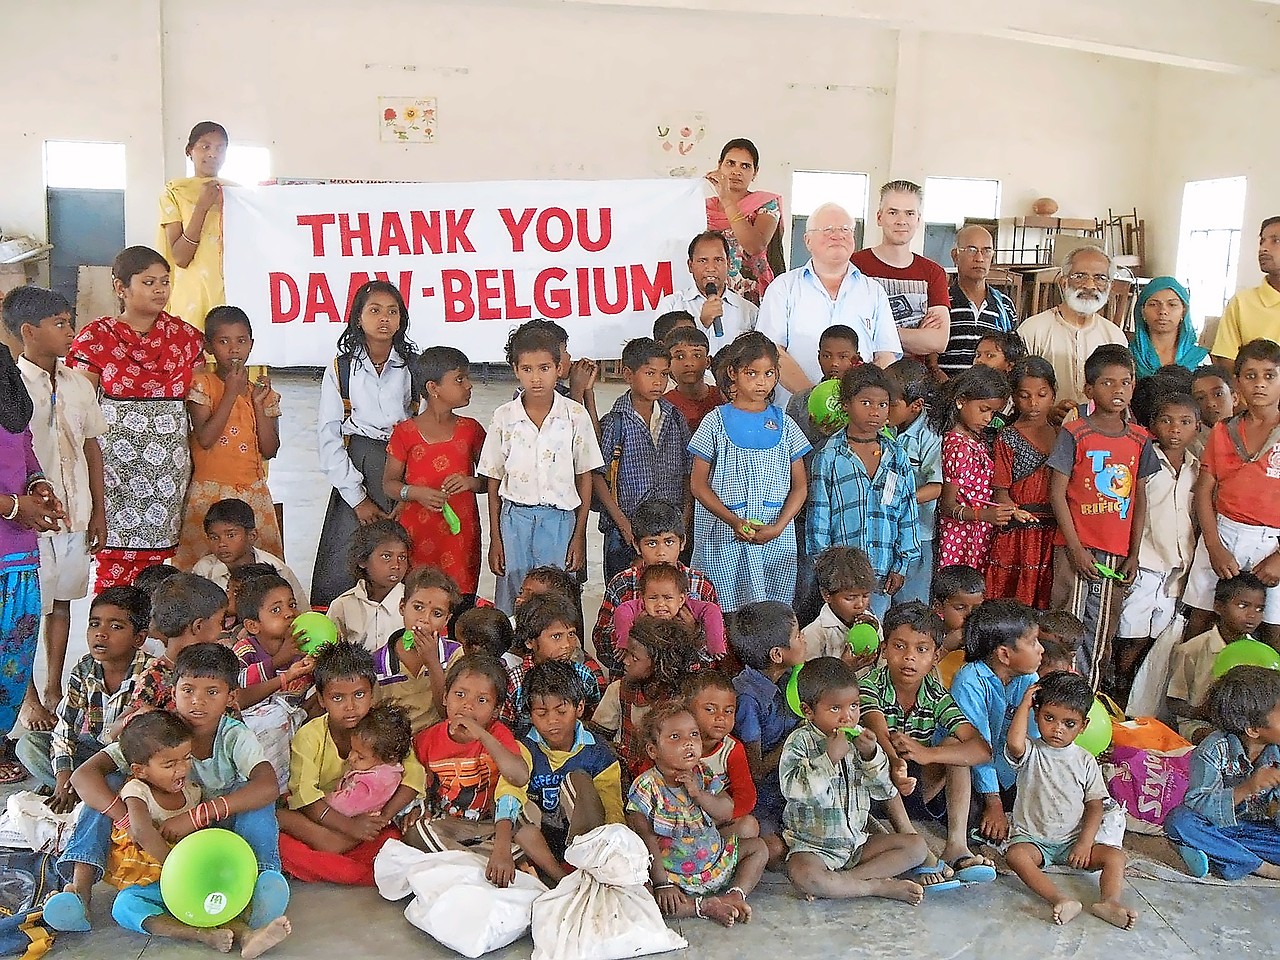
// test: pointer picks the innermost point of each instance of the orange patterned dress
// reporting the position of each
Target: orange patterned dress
(427, 465)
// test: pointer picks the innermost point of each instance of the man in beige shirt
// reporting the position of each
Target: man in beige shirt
(1067, 334)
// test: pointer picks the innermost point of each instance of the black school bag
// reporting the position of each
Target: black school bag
(27, 878)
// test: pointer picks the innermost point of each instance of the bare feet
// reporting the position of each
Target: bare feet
(52, 696)
(739, 899)
(216, 937)
(257, 942)
(1066, 911)
(1116, 914)
(720, 909)
(908, 891)
(35, 717)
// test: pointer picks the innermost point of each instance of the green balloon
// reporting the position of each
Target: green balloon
(824, 405)
(1245, 652)
(208, 878)
(1096, 735)
(313, 630)
(863, 639)
(793, 691)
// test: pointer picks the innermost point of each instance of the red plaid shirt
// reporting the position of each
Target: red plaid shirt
(626, 586)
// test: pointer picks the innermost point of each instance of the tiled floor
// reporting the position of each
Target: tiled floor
(1002, 920)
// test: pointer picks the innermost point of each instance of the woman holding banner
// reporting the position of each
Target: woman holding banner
(191, 227)
(748, 218)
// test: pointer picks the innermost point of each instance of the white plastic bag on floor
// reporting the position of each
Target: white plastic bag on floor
(602, 911)
(1147, 698)
(27, 822)
(452, 901)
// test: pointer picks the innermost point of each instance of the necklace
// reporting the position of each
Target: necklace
(871, 439)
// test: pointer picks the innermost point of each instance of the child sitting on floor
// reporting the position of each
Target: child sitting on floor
(319, 842)
(464, 754)
(157, 747)
(369, 612)
(664, 593)
(930, 745)
(1061, 637)
(695, 872)
(549, 626)
(230, 528)
(410, 662)
(1240, 603)
(1060, 800)
(574, 781)
(484, 630)
(956, 592)
(1227, 821)
(766, 640)
(375, 762)
(830, 771)
(714, 703)
(1002, 648)
(660, 654)
(99, 687)
(846, 580)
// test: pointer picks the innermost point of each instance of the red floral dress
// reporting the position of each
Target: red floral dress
(1022, 553)
(966, 462)
(427, 465)
(143, 378)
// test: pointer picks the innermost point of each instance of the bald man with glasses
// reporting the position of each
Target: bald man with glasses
(976, 309)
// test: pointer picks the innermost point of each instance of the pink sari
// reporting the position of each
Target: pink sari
(748, 275)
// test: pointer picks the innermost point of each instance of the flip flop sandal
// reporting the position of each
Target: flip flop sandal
(934, 870)
(975, 872)
(65, 912)
(270, 899)
(945, 885)
(1197, 861)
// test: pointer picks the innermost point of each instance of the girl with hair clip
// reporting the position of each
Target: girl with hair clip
(142, 363)
(366, 391)
(191, 227)
(967, 514)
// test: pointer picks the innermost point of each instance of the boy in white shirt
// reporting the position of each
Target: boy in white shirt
(230, 527)
(65, 427)
(538, 456)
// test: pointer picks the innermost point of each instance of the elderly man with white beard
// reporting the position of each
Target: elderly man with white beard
(1067, 334)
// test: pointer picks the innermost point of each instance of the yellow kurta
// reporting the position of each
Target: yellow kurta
(315, 767)
(196, 288)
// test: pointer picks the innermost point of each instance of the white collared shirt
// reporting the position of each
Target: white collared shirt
(378, 403)
(364, 621)
(540, 467)
(797, 308)
(65, 414)
(214, 569)
(739, 313)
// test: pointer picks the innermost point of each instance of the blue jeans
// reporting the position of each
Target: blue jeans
(531, 537)
(919, 577)
(617, 555)
(1233, 852)
(91, 838)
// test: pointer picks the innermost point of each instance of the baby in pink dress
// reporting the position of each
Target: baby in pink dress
(664, 593)
(374, 765)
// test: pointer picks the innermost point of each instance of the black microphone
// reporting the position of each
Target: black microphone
(716, 325)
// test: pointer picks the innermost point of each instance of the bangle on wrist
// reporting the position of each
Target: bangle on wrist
(663, 886)
(324, 813)
(404, 491)
(12, 514)
(194, 243)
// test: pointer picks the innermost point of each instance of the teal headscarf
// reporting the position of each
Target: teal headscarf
(1187, 353)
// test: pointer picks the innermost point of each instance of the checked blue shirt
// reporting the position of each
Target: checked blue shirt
(637, 468)
(877, 514)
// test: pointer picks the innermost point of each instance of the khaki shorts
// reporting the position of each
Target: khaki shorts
(64, 568)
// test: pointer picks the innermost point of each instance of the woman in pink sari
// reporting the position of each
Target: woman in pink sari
(748, 218)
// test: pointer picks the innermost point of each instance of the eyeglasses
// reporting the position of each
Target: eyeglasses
(972, 251)
(1099, 279)
(829, 232)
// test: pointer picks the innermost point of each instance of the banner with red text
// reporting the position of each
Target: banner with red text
(472, 260)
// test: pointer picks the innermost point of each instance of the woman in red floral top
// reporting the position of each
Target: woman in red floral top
(142, 362)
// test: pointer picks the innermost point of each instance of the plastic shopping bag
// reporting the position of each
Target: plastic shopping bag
(603, 910)
(452, 901)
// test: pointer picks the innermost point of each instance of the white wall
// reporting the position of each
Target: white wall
(535, 90)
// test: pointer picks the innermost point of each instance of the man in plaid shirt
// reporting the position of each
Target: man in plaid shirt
(659, 529)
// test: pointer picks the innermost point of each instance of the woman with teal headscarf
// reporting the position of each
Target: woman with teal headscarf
(1164, 333)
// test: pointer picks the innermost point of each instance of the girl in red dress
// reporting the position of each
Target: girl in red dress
(431, 461)
(967, 514)
(1022, 553)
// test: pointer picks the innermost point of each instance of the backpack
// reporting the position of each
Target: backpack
(27, 877)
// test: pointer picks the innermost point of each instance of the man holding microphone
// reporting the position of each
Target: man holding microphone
(717, 310)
